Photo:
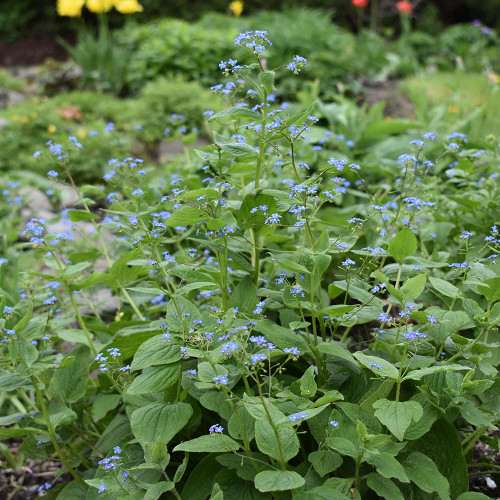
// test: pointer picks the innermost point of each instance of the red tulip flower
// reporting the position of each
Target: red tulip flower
(405, 7)
(359, 4)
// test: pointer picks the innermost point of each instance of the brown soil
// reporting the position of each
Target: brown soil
(30, 51)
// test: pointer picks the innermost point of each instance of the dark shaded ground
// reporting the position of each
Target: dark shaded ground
(30, 51)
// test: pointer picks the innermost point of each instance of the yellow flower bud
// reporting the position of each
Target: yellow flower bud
(98, 6)
(127, 6)
(51, 129)
(70, 8)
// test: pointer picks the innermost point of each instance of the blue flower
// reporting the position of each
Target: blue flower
(220, 380)
(297, 416)
(217, 429)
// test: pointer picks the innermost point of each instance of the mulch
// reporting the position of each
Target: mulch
(31, 51)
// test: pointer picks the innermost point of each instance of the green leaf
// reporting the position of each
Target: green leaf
(337, 349)
(423, 472)
(246, 219)
(155, 491)
(23, 322)
(278, 480)
(155, 351)
(73, 335)
(473, 495)
(159, 420)
(418, 374)
(475, 416)
(237, 112)
(233, 148)
(281, 337)
(397, 415)
(217, 493)
(213, 443)
(104, 404)
(244, 295)
(444, 287)
(403, 245)
(94, 279)
(449, 459)
(267, 442)
(293, 266)
(70, 383)
(325, 461)
(27, 351)
(413, 287)
(387, 370)
(216, 401)
(308, 385)
(59, 415)
(11, 381)
(267, 80)
(336, 310)
(156, 379)
(344, 446)
(11, 432)
(387, 465)
(78, 215)
(199, 483)
(491, 289)
(384, 487)
(187, 216)
(201, 285)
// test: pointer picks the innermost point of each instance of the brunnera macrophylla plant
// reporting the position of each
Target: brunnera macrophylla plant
(278, 324)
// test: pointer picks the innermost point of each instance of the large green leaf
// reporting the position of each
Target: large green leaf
(413, 287)
(59, 415)
(403, 245)
(103, 404)
(325, 461)
(281, 337)
(278, 480)
(155, 351)
(267, 442)
(397, 415)
(387, 465)
(199, 483)
(156, 379)
(187, 216)
(449, 459)
(238, 112)
(211, 443)
(423, 472)
(373, 362)
(159, 420)
(70, 383)
(384, 487)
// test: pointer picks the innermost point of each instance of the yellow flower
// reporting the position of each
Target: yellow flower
(24, 119)
(127, 6)
(493, 78)
(51, 129)
(236, 8)
(453, 109)
(70, 8)
(98, 6)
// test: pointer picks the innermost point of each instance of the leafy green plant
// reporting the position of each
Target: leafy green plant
(282, 325)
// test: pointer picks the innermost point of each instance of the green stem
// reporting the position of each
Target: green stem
(256, 255)
(52, 433)
(103, 244)
(401, 371)
(275, 429)
(261, 144)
